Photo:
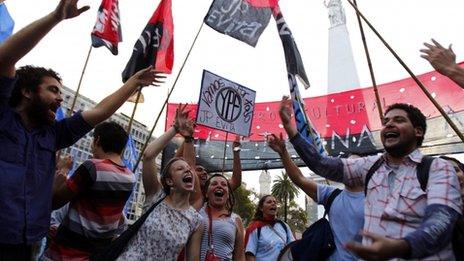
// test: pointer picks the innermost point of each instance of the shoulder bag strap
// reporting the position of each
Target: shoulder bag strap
(371, 172)
(330, 200)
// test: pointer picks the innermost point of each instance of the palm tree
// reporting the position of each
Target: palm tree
(284, 190)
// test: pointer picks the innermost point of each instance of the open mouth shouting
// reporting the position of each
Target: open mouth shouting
(188, 180)
(391, 136)
(53, 108)
(219, 193)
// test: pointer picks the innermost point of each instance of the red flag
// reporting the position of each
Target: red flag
(107, 29)
(155, 45)
(263, 3)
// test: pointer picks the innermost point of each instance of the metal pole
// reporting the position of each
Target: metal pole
(224, 154)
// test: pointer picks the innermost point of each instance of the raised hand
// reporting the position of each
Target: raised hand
(68, 9)
(442, 59)
(276, 143)
(285, 110)
(146, 77)
(182, 123)
(64, 164)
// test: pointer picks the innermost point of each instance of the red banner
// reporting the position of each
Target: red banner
(350, 112)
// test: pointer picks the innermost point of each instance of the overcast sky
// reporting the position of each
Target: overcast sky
(404, 24)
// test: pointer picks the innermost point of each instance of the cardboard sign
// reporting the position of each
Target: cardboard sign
(225, 105)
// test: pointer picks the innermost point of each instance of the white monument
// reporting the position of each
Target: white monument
(264, 183)
(342, 73)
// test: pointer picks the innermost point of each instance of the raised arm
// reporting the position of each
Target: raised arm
(108, 106)
(444, 61)
(150, 180)
(328, 167)
(236, 179)
(19, 44)
(277, 143)
(188, 152)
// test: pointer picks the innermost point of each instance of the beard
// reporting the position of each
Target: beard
(400, 149)
(39, 112)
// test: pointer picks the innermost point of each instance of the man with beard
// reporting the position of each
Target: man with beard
(401, 219)
(29, 136)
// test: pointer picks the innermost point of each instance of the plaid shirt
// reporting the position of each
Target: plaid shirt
(395, 202)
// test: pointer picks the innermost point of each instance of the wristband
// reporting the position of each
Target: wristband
(237, 149)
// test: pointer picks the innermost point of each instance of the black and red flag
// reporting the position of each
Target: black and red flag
(244, 20)
(107, 29)
(155, 45)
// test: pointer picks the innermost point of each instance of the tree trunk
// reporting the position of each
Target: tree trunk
(285, 209)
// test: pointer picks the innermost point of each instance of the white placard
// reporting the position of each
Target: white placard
(225, 105)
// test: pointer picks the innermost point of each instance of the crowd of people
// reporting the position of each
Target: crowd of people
(390, 208)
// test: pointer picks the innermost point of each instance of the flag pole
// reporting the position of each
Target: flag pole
(167, 99)
(80, 81)
(413, 76)
(131, 120)
(369, 63)
(224, 154)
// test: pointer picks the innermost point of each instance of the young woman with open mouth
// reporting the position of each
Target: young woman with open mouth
(174, 223)
(222, 237)
(266, 236)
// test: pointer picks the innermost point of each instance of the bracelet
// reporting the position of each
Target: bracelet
(188, 139)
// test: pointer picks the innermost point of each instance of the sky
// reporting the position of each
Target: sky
(405, 25)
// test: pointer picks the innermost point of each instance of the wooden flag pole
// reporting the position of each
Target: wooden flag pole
(131, 120)
(413, 76)
(167, 100)
(224, 154)
(369, 63)
(80, 81)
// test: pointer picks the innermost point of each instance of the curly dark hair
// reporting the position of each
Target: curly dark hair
(231, 200)
(416, 117)
(29, 78)
(259, 215)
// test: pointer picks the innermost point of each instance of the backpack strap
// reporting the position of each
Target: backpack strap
(371, 172)
(330, 200)
(423, 169)
(285, 228)
(278, 221)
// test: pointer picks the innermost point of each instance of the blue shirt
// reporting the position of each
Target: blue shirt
(346, 218)
(270, 242)
(27, 169)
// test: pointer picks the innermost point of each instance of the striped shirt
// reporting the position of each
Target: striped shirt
(224, 231)
(95, 214)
